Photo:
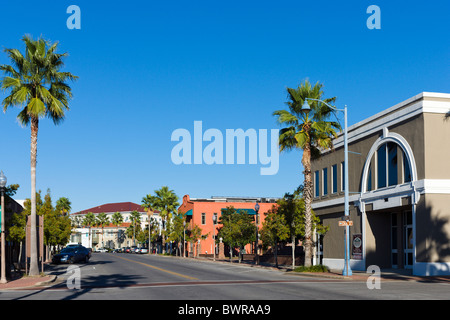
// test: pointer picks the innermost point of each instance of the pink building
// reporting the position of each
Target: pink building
(200, 211)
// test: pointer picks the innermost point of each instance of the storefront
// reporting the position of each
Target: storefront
(399, 188)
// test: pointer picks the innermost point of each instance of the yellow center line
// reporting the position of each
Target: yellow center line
(164, 270)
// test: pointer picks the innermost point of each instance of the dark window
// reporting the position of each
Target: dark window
(334, 182)
(325, 181)
(392, 164)
(406, 169)
(381, 164)
(316, 183)
(369, 179)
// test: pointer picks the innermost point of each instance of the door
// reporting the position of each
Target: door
(408, 245)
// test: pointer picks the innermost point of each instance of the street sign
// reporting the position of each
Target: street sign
(345, 223)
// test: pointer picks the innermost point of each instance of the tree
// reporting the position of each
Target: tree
(274, 229)
(63, 205)
(36, 84)
(237, 230)
(89, 221)
(102, 221)
(176, 229)
(311, 132)
(135, 218)
(166, 201)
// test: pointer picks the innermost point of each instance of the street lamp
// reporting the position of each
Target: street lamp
(214, 218)
(184, 239)
(347, 270)
(3, 252)
(256, 236)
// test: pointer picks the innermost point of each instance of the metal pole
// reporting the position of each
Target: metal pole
(347, 270)
(3, 261)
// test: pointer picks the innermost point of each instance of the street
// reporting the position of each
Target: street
(110, 276)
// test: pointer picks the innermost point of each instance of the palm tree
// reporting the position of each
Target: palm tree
(38, 86)
(89, 221)
(166, 201)
(63, 205)
(308, 131)
(135, 218)
(102, 221)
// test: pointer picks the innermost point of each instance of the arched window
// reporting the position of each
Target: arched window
(391, 167)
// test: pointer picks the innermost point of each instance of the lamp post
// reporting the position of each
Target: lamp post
(3, 253)
(184, 239)
(214, 218)
(256, 235)
(347, 270)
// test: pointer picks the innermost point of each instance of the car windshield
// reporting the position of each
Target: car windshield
(67, 250)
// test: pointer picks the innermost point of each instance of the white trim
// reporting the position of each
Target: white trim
(394, 115)
(338, 264)
(424, 186)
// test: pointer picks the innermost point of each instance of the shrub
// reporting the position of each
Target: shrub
(318, 268)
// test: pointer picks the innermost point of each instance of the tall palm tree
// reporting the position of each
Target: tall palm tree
(135, 218)
(166, 201)
(89, 221)
(38, 86)
(102, 221)
(311, 132)
(63, 205)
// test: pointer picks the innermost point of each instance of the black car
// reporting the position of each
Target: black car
(71, 255)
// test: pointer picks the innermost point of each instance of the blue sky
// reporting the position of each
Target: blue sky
(147, 68)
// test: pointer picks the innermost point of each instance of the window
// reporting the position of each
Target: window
(325, 181)
(369, 179)
(334, 178)
(316, 184)
(406, 169)
(203, 218)
(381, 166)
(342, 175)
(392, 164)
(388, 173)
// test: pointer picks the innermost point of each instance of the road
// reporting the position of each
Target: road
(146, 277)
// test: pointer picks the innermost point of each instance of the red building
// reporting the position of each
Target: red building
(201, 211)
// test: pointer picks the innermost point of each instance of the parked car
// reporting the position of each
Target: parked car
(143, 250)
(102, 250)
(133, 249)
(127, 250)
(71, 255)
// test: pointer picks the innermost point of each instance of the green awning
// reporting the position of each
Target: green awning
(189, 213)
(248, 211)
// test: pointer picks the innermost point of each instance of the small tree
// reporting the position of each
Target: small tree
(238, 229)
(274, 229)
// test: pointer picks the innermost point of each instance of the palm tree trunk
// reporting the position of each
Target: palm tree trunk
(307, 192)
(293, 251)
(34, 265)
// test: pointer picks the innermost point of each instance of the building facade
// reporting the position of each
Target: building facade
(200, 211)
(96, 237)
(399, 185)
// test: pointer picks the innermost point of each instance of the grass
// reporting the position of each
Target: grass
(318, 268)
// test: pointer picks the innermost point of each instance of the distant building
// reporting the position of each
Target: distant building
(399, 184)
(111, 236)
(200, 211)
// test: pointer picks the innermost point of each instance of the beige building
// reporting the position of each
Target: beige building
(399, 184)
(97, 237)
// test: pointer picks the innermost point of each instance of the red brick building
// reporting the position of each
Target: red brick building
(200, 211)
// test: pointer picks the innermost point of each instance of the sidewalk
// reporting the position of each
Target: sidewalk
(386, 275)
(27, 282)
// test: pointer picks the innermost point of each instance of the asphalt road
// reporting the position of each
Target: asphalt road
(143, 277)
